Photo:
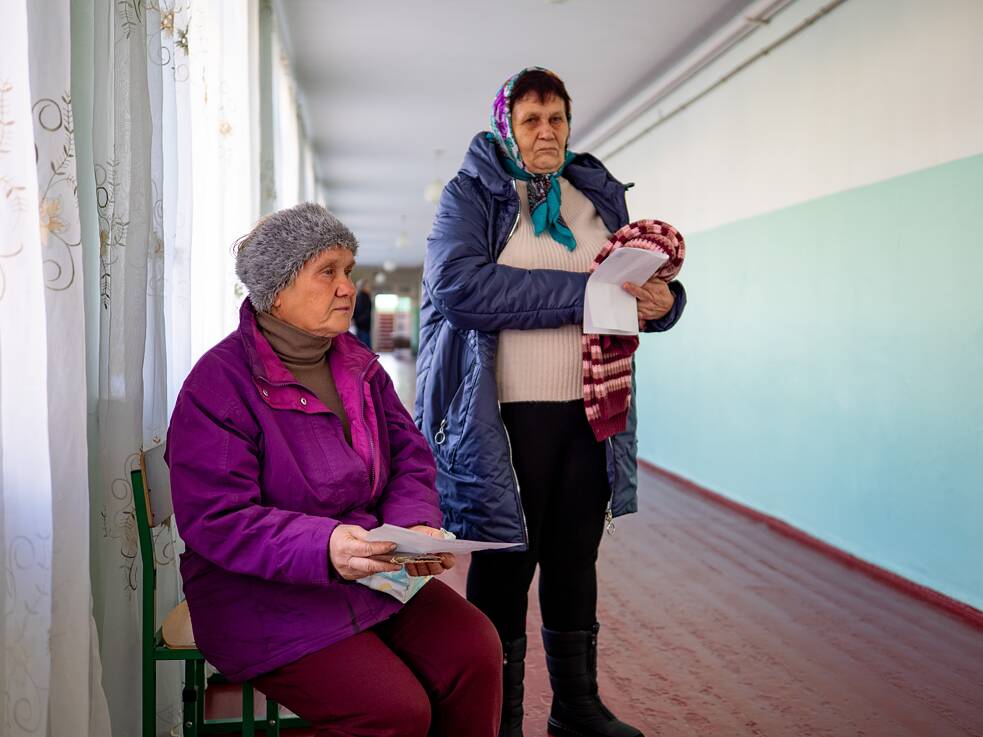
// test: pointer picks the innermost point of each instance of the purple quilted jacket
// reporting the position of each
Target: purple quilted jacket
(261, 474)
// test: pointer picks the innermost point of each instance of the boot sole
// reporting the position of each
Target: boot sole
(555, 729)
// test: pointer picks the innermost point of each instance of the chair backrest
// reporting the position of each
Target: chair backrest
(157, 485)
(152, 507)
(151, 504)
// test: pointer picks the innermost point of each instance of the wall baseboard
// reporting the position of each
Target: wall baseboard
(963, 611)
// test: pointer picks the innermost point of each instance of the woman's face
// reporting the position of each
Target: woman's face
(541, 130)
(321, 299)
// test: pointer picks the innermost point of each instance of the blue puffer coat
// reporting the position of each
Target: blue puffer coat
(467, 299)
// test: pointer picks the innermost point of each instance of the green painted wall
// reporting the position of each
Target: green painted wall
(829, 371)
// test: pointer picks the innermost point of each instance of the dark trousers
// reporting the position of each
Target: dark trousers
(563, 483)
(432, 669)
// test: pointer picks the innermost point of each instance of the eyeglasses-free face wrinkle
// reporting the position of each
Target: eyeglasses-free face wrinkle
(322, 297)
(541, 131)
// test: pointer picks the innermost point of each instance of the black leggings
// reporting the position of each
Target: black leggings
(564, 488)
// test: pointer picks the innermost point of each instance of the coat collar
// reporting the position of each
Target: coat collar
(585, 172)
(346, 353)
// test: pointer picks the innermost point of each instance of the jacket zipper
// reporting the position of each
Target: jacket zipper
(365, 424)
(515, 477)
(518, 212)
(362, 406)
(356, 628)
(508, 439)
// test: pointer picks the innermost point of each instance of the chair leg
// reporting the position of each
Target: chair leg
(200, 688)
(248, 711)
(149, 697)
(190, 696)
(272, 718)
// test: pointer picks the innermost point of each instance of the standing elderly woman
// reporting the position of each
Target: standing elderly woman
(286, 445)
(500, 389)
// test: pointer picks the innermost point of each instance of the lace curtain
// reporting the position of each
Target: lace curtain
(130, 141)
(51, 675)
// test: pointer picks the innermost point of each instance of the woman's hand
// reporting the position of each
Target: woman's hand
(350, 553)
(654, 299)
(431, 569)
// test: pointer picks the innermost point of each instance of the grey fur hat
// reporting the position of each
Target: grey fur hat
(271, 255)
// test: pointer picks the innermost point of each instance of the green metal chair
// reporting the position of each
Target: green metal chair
(174, 640)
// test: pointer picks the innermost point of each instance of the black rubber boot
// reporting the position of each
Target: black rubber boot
(571, 658)
(513, 672)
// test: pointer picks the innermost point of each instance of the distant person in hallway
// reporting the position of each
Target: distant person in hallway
(500, 388)
(288, 443)
(362, 317)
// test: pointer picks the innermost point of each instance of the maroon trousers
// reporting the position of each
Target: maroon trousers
(433, 669)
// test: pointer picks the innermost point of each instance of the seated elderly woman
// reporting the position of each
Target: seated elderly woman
(287, 444)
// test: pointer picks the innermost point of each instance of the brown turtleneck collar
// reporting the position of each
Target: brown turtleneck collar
(294, 346)
(306, 357)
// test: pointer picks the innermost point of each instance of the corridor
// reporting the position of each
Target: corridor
(780, 198)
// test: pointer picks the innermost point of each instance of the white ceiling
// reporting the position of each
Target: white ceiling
(383, 83)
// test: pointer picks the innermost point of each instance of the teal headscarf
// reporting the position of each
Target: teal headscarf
(544, 189)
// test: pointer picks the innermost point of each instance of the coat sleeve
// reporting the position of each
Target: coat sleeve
(672, 317)
(473, 292)
(214, 463)
(410, 496)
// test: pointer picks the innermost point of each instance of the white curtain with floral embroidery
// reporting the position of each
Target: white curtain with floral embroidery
(26, 523)
(225, 203)
(308, 179)
(73, 640)
(286, 128)
(51, 676)
(138, 49)
(178, 108)
(178, 190)
(174, 170)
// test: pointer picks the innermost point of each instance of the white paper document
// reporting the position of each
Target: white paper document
(408, 541)
(607, 307)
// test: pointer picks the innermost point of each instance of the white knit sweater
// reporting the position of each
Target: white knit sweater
(545, 365)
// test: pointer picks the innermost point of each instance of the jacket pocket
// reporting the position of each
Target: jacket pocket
(448, 430)
(449, 385)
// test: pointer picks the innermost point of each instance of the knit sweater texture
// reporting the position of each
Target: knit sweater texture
(546, 365)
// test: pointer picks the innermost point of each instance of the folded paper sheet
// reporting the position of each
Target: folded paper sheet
(408, 541)
(608, 308)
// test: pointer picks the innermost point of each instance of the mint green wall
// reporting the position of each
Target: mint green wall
(829, 371)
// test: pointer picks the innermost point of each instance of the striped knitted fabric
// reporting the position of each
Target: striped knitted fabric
(607, 359)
